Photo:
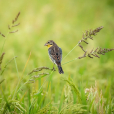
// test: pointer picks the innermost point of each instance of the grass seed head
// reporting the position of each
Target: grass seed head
(1, 58)
(2, 34)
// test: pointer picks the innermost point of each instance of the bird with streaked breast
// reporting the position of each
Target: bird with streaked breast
(55, 54)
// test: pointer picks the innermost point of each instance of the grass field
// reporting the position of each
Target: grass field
(26, 87)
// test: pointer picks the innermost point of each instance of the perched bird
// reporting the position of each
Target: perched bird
(55, 54)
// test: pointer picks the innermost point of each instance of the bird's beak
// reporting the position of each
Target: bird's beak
(46, 44)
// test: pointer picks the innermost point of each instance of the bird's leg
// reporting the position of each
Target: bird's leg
(53, 67)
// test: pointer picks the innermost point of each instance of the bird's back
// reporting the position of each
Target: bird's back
(55, 54)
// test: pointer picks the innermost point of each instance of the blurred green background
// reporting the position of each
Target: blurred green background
(63, 21)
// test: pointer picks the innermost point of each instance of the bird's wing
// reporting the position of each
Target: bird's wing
(60, 53)
(55, 54)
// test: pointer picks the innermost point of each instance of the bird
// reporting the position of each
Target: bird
(55, 54)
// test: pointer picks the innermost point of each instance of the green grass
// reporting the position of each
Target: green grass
(64, 22)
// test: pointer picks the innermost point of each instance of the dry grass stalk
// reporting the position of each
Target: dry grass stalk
(39, 69)
(16, 25)
(9, 27)
(89, 34)
(93, 53)
(41, 74)
(1, 58)
(13, 24)
(16, 18)
(2, 34)
(81, 47)
(13, 31)
(96, 53)
(84, 55)
(32, 80)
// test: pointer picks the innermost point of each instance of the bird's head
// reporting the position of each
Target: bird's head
(49, 43)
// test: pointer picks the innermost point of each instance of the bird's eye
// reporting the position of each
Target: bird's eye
(48, 42)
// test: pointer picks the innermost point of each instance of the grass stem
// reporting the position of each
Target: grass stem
(16, 67)
(70, 51)
(70, 61)
(21, 76)
(4, 41)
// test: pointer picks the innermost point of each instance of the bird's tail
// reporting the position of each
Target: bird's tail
(60, 69)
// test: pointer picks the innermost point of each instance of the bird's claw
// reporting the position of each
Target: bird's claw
(53, 69)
